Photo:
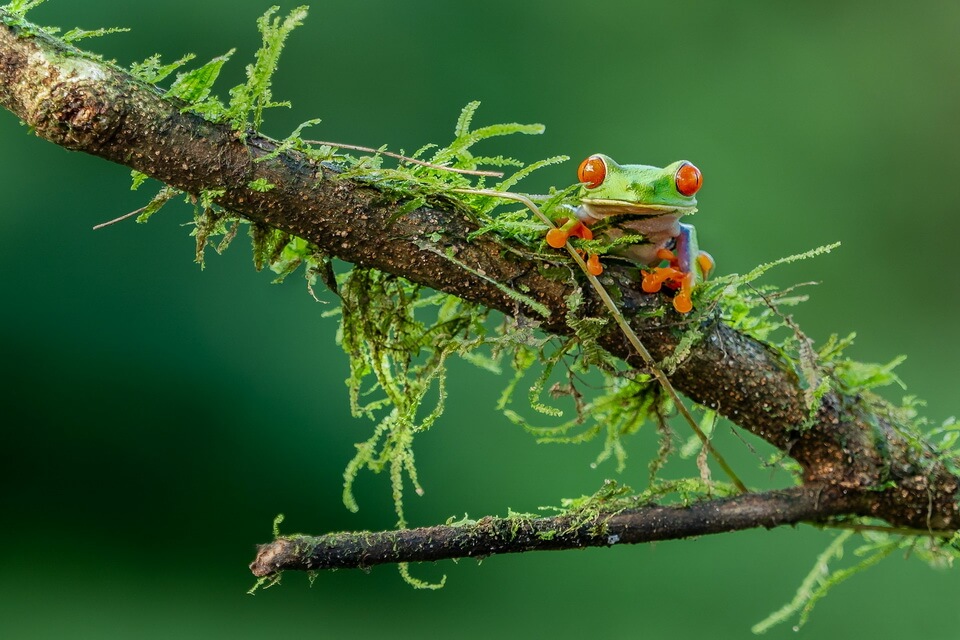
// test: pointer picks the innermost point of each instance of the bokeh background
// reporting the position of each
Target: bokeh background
(156, 417)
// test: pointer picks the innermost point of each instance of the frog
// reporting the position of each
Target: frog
(634, 199)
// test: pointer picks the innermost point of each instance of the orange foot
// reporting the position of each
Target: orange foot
(706, 262)
(654, 279)
(594, 267)
(572, 228)
(681, 301)
(674, 278)
(557, 238)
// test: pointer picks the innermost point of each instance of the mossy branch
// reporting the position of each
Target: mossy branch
(517, 534)
(84, 104)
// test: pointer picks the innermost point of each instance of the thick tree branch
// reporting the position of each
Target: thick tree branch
(88, 106)
(491, 536)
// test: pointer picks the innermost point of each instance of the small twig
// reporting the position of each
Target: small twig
(120, 219)
(356, 147)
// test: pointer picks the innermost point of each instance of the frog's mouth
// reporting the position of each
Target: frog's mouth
(601, 208)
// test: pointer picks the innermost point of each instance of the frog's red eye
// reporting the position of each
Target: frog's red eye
(592, 171)
(688, 179)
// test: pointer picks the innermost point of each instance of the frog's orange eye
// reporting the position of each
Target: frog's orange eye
(688, 179)
(592, 171)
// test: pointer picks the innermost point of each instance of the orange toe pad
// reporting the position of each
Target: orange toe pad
(557, 238)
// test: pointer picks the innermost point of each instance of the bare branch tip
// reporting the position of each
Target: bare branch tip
(97, 227)
(269, 557)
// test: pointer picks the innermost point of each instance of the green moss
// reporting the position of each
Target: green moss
(265, 583)
(398, 340)
(79, 34)
(262, 185)
(152, 71)
(416, 583)
(193, 87)
(19, 8)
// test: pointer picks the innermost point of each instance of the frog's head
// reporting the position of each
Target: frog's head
(613, 189)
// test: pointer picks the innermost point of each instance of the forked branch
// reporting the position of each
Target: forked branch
(85, 105)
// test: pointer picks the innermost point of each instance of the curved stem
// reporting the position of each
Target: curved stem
(423, 163)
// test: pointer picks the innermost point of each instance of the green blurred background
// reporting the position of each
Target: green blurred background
(158, 416)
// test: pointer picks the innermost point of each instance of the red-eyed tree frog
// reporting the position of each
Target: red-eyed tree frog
(634, 199)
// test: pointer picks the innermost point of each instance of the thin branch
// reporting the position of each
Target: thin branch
(97, 227)
(423, 163)
(493, 536)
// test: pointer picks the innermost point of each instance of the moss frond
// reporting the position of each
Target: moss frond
(248, 101)
(399, 340)
(77, 34)
(152, 71)
(822, 578)
(156, 203)
(194, 87)
(293, 141)
(20, 8)
(262, 185)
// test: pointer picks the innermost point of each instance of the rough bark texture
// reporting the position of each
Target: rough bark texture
(491, 536)
(91, 107)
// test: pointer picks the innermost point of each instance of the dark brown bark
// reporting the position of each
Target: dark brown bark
(492, 536)
(88, 106)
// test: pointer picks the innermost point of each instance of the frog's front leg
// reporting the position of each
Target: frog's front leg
(686, 266)
(574, 227)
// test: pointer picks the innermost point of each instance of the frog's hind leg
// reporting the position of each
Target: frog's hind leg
(684, 265)
(654, 279)
(657, 276)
